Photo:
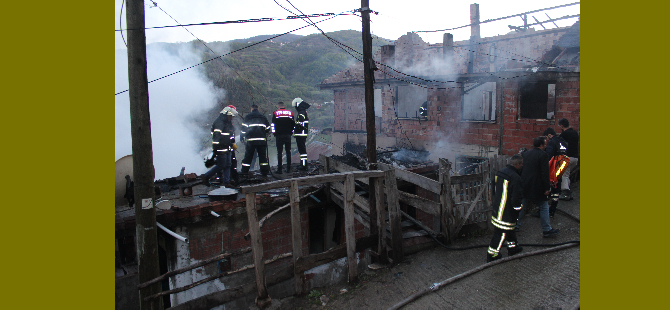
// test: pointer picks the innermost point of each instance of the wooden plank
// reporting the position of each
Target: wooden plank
(415, 221)
(349, 227)
(423, 204)
(446, 199)
(310, 180)
(358, 200)
(298, 280)
(257, 248)
(359, 216)
(221, 297)
(472, 206)
(394, 215)
(417, 179)
(325, 163)
(378, 183)
(314, 260)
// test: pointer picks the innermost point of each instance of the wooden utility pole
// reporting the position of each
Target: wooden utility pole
(368, 74)
(143, 166)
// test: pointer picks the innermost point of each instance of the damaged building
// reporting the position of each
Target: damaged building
(484, 96)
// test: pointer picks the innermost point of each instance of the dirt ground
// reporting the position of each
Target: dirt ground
(545, 281)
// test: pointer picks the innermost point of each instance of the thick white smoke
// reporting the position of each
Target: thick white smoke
(173, 102)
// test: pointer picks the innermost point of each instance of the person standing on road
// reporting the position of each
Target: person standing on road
(555, 146)
(572, 137)
(301, 130)
(507, 194)
(223, 144)
(282, 128)
(254, 131)
(535, 182)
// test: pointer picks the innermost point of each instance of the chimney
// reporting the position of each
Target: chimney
(448, 50)
(388, 56)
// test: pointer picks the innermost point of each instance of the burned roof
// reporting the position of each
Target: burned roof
(571, 38)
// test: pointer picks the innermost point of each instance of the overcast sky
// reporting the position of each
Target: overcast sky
(395, 17)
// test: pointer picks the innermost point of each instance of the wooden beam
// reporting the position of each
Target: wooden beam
(358, 215)
(257, 250)
(423, 204)
(415, 221)
(358, 200)
(378, 183)
(314, 260)
(325, 163)
(446, 201)
(310, 180)
(417, 179)
(394, 215)
(349, 227)
(298, 280)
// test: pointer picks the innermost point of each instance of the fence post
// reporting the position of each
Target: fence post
(325, 161)
(262, 299)
(377, 183)
(394, 215)
(446, 210)
(349, 228)
(296, 229)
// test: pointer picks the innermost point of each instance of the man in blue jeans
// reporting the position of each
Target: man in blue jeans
(535, 182)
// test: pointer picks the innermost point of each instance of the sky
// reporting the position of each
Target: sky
(175, 100)
(395, 18)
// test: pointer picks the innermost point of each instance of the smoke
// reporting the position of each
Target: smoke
(174, 103)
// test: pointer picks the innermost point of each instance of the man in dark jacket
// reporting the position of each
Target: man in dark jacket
(223, 141)
(507, 194)
(282, 128)
(555, 146)
(301, 130)
(254, 131)
(572, 137)
(535, 182)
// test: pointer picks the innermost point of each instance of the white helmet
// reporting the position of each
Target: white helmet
(229, 110)
(296, 102)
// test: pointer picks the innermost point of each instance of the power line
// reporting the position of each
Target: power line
(226, 54)
(500, 18)
(243, 21)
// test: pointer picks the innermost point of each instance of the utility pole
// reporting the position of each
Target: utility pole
(143, 166)
(368, 74)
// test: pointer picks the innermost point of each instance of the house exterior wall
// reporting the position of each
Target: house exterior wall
(445, 134)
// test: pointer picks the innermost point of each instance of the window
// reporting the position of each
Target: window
(378, 102)
(537, 100)
(479, 101)
(409, 100)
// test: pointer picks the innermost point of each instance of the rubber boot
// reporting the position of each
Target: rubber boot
(279, 169)
(490, 258)
(515, 250)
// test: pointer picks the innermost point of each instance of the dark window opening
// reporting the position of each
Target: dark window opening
(326, 228)
(537, 100)
(408, 101)
(163, 268)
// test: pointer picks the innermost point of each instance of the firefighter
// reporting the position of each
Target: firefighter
(556, 147)
(301, 129)
(223, 145)
(282, 128)
(507, 193)
(423, 110)
(254, 131)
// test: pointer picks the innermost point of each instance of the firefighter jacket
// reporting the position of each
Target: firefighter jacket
(223, 134)
(282, 123)
(535, 175)
(255, 128)
(302, 121)
(556, 146)
(507, 195)
(572, 137)
(423, 111)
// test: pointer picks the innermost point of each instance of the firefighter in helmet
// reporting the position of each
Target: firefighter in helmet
(223, 145)
(254, 131)
(301, 129)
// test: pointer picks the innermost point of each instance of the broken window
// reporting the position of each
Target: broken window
(408, 101)
(537, 100)
(479, 101)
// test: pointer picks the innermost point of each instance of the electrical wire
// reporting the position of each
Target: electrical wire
(121, 24)
(226, 54)
(244, 21)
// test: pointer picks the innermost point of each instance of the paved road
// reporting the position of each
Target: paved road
(546, 281)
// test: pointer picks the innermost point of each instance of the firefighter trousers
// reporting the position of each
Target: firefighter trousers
(283, 143)
(500, 237)
(262, 158)
(302, 149)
